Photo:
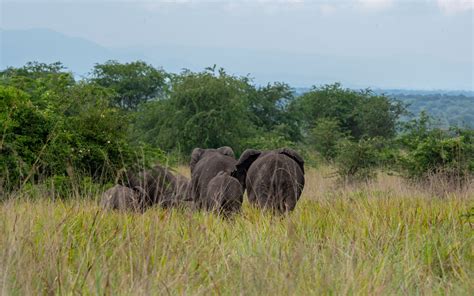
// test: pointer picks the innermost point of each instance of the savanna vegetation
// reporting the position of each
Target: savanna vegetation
(387, 207)
(448, 109)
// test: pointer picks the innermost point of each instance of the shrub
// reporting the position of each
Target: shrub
(24, 136)
(430, 154)
(359, 113)
(62, 130)
(132, 83)
(269, 141)
(325, 135)
(357, 161)
(206, 109)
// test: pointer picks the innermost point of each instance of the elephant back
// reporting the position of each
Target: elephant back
(275, 181)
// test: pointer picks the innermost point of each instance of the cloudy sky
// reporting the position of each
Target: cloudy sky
(426, 44)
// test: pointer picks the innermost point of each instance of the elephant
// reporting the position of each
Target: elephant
(205, 164)
(154, 186)
(120, 198)
(225, 194)
(180, 197)
(274, 179)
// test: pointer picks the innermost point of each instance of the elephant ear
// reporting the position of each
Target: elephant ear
(128, 178)
(243, 165)
(195, 157)
(226, 150)
(293, 155)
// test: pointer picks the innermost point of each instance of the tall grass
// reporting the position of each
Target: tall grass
(380, 238)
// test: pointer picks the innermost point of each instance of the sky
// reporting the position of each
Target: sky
(423, 44)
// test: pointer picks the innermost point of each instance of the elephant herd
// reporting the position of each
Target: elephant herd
(274, 180)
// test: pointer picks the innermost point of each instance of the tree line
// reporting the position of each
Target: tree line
(57, 127)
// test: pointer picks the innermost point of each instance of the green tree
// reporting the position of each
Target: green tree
(428, 150)
(54, 127)
(325, 136)
(377, 116)
(269, 106)
(25, 131)
(359, 113)
(357, 161)
(205, 109)
(134, 83)
(39, 80)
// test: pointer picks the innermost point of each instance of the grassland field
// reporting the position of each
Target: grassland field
(381, 238)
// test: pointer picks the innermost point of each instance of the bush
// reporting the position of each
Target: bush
(358, 113)
(268, 141)
(24, 136)
(206, 109)
(67, 130)
(446, 154)
(132, 83)
(325, 135)
(431, 154)
(357, 161)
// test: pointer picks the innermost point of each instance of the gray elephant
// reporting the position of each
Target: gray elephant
(225, 194)
(205, 164)
(274, 179)
(121, 198)
(180, 197)
(155, 186)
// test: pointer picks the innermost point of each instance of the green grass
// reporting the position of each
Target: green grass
(349, 242)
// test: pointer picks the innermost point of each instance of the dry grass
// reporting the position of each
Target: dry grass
(381, 238)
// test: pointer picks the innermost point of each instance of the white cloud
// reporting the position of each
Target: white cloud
(376, 4)
(325, 7)
(455, 6)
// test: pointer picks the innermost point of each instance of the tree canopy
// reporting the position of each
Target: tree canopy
(133, 83)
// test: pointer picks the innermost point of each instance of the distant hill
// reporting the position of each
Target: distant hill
(79, 55)
(449, 110)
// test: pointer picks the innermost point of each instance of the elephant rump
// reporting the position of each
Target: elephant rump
(224, 194)
(120, 198)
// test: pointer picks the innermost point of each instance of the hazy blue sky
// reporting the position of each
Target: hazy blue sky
(385, 43)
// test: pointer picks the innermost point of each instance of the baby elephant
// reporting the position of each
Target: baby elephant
(224, 194)
(120, 198)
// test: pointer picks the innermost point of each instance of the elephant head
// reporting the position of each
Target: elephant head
(199, 153)
(205, 164)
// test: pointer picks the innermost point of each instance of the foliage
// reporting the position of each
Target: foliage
(429, 150)
(359, 113)
(357, 161)
(269, 107)
(53, 128)
(25, 131)
(268, 141)
(325, 136)
(449, 109)
(42, 82)
(205, 109)
(133, 83)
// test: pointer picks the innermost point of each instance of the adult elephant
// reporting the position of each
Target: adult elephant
(155, 186)
(274, 179)
(205, 164)
(121, 198)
